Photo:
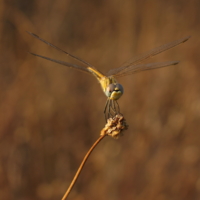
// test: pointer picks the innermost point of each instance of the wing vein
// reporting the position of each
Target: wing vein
(151, 53)
(63, 63)
(144, 67)
(55, 47)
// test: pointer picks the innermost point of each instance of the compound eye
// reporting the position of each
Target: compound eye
(109, 90)
(118, 87)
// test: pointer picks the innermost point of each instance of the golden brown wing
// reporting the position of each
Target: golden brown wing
(80, 68)
(55, 47)
(89, 68)
(143, 67)
(135, 61)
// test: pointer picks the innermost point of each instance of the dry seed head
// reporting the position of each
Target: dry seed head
(115, 126)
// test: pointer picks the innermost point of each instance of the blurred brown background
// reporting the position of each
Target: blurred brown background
(50, 115)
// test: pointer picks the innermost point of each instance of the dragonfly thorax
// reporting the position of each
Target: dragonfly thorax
(114, 91)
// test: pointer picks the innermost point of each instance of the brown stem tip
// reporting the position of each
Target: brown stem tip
(115, 126)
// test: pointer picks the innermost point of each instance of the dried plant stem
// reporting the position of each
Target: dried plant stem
(81, 167)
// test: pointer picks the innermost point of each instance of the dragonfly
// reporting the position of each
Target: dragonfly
(109, 84)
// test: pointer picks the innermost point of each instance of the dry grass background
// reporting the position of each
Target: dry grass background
(50, 115)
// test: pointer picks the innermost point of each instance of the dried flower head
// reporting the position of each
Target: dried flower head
(115, 126)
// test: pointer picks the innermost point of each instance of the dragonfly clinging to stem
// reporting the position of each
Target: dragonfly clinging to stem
(112, 89)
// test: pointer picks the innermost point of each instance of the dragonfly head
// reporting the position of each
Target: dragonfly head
(114, 91)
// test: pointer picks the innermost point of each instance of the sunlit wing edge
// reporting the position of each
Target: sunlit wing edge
(151, 53)
(144, 67)
(70, 65)
(55, 47)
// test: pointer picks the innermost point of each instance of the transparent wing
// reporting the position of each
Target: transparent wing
(48, 43)
(143, 67)
(84, 69)
(151, 53)
(89, 68)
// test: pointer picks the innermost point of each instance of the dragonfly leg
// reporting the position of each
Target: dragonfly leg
(111, 108)
(114, 107)
(118, 108)
(106, 108)
(108, 113)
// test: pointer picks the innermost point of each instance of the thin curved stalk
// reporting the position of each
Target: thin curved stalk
(81, 167)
